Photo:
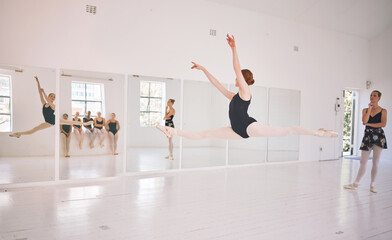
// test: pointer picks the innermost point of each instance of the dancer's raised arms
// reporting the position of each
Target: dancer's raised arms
(214, 81)
(244, 90)
(40, 91)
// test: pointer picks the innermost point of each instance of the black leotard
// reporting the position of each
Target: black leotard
(48, 113)
(169, 122)
(66, 128)
(238, 114)
(90, 126)
(375, 119)
(113, 127)
(99, 122)
(77, 126)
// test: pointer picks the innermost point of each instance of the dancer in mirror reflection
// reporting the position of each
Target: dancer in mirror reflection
(99, 123)
(242, 125)
(48, 109)
(65, 135)
(169, 115)
(78, 131)
(113, 126)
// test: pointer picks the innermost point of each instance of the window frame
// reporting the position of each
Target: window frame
(10, 100)
(85, 101)
(149, 97)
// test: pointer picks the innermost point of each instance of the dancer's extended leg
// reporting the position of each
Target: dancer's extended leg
(220, 133)
(35, 129)
(258, 130)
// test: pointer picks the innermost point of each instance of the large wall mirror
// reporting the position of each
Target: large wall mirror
(205, 108)
(28, 157)
(251, 150)
(93, 150)
(148, 149)
(284, 111)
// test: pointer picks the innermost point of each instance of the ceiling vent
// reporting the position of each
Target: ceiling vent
(91, 9)
(213, 32)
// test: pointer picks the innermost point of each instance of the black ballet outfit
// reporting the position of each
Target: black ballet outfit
(169, 122)
(77, 126)
(113, 127)
(90, 126)
(374, 135)
(238, 114)
(99, 122)
(66, 128)
(48, 113)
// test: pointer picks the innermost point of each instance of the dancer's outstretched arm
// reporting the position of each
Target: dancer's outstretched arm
(214, 81)
(40, 91)
(244, 90)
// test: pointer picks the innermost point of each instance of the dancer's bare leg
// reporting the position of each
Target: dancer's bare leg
(79, 134)
(258, 130)
(111, 141)
(66, 140)
(31, 131)
(171, 146)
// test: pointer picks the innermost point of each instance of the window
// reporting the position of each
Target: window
(86, 97)
(151, 103)
(5, 103)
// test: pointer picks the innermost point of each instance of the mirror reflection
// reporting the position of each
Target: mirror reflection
(206, 111)
(27, 132)
(152, 101)
(284, 111)
(92, 146)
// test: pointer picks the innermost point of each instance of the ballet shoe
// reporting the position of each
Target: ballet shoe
(170, 157)
(351, 186)
(67, 156)
(326, 133)
(168, 131)
(17, 135)
(373, 189)
(115, 153)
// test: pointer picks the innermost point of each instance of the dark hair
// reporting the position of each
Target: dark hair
(65, 114)
(248, 75)
(172, 100)
(378, 93)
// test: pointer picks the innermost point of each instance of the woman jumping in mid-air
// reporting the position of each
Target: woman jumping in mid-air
(48, 108)
(242, 126)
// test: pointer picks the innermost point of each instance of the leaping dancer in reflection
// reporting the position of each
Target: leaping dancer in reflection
(48, 108)
(242, 125)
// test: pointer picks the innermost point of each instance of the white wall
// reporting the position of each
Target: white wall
(113, 103)
(381, 78)
(26, 110)
(160, 38)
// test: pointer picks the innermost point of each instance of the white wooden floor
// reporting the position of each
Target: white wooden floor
(280, 201)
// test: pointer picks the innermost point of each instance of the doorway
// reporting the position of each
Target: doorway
(349, 121)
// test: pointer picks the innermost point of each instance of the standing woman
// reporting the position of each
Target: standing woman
(169, 115)
(99, 123)
(78, 130)
(375, 118)
(66, 135)
(113, 126)
(90, 128)
(48, 108)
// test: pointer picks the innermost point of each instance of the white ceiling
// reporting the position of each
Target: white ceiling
(364, 18)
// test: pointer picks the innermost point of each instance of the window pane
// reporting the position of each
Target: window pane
(4, 86)
(93, 92)
(94, 107)
(5, 123)
(144, 119)
(155, 89)
(155, 104)
(144, 89)
(155, 119)
(4, 105)
(144, 104)
(78, 106)
(78, 91)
